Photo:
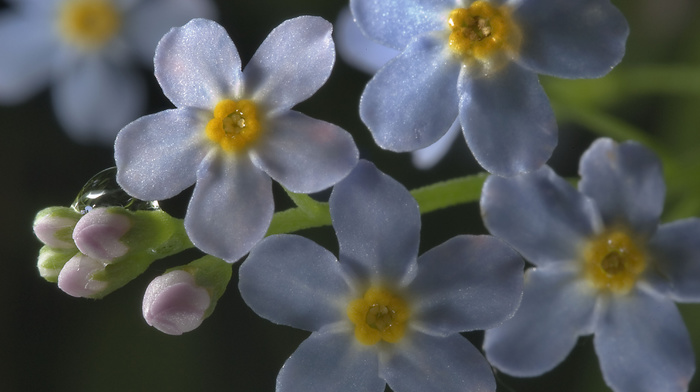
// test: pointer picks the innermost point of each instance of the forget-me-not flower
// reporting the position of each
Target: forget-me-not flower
(233, 130)
(379, 313)
(369, 56)
(477, 62)
(603, 266)
(86, 49)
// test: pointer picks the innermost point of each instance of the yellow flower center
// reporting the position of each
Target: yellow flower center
(484, 33)
(378, 315)
(235, 124)
(89, 24)
(613, 261)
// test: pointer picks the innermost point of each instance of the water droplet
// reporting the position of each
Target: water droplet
(102, 190)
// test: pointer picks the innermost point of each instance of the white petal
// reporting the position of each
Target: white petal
(377, 223)
(412, 101)
(25, 64)
(507, 120)
(626, 181)
(428, 363)
(643, 345)
(198, 65)
(304, 154)
(148, 21)
(231, 207)
(427, 157)
(395, 22)
(158, 155)
(292, 63)
(358, 50)
(464, 284)
(291, 280)
(557, 308)
(540, 214)
(96, 99)
(676, 253)
(331, 361)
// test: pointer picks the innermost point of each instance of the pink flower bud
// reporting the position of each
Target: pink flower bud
(174, 304)
(47, 227)
(98, 234)
(76, 277)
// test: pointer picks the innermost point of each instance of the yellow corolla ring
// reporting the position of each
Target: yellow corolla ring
(613, 261)
(235, 124)
(89, 24)
(379, 315)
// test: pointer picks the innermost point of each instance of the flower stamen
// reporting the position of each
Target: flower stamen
(235, 124)
(378, 315)
(613, 261)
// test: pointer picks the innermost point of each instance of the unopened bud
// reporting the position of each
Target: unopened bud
(97, 234)
(77, 277)
(54, 226)
(52, 260)
(174, 304)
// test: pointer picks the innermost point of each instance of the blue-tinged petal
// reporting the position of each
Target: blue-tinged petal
(626, 181)
(331, 361)
(571, 39)
(428, 363)
(675, 250)
(643, 345)
(412, 101)
(157, 155)
(557, 308)
(358, 50)
(291, 280)
(292, 63)
(25, 64)
(427, 157)
(197, 65)
(540, 214)
(231, 207)
(96, 99)
(507, 120)
(395, 22)
(464, 284)
(148, 21)
(304, 154)
(377, 223)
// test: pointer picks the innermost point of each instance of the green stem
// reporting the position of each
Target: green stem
(311, 213)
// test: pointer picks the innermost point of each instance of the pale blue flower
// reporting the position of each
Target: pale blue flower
(477, 62)
(603, 266)
(88, 51)
(233, 129)
(368, 56)
(379, 314)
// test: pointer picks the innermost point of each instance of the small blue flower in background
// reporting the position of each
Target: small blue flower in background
(233, 129)
(86, 49)
(477, 62)
(379, 313)
(603, 266)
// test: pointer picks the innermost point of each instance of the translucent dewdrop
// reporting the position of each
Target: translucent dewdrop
(102, 190)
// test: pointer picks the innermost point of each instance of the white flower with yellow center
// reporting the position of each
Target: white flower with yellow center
(474, 64)
(379, 314)
(87, 49)
(603, 266)
(233, 130)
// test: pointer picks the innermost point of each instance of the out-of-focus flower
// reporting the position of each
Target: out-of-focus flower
(603, 266)
(368, 56)
(179, 300)
(381, 314)
(233, 130)
(477, 61)
(86, 49)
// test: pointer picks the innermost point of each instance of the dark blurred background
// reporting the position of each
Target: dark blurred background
(50, 341)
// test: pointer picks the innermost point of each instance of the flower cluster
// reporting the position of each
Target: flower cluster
(379, 314)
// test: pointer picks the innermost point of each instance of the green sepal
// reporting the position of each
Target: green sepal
(210, 273)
